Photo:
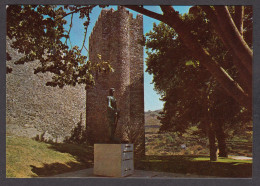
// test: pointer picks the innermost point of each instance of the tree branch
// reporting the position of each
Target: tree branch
(77, 10)
(244, 74)
(230, 86)
(70, 28)
(171, 17)
(168, 10)
(146, 12)
(85, 48)
(235, 40)
(238, 18)
(83, 43)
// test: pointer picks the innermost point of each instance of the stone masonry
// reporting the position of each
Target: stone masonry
(116, 37)
(35, 109)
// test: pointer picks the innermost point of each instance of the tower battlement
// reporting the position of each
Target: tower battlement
(108, 12)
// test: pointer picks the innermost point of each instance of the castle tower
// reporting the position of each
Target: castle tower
(116, 37)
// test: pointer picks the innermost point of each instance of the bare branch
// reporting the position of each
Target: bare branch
(77, 10)
(85, 48)
(70, 27)
(238, 18)
(83, 43)
(70, 42)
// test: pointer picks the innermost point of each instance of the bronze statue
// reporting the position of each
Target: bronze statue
(112, 115)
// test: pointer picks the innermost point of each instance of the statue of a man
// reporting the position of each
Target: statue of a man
(113, 115)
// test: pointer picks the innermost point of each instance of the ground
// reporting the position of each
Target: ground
(29, 158)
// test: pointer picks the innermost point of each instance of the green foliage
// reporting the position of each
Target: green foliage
(191, 95)
(169, 143)
(38, 32)
(197, 165)
(78, 134)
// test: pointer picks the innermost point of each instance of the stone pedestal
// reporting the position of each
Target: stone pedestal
(114, 160)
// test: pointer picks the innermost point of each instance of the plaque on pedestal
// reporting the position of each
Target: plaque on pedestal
(114, 160)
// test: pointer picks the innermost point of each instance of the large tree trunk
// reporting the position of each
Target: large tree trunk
(212, 143)
(221, 140)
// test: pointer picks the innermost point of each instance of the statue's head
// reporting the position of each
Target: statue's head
(111, 91)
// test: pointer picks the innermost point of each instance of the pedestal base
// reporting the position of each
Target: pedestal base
(115, 160)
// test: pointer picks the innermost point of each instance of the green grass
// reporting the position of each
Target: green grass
(28, 158)
(198, 165)
(223, 160)
(169, 143)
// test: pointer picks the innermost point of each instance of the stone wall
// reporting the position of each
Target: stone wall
(116, 36)
(33, 108)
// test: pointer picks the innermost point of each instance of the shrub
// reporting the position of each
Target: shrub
(78, 134)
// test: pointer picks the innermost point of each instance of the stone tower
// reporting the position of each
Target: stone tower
(116, 36)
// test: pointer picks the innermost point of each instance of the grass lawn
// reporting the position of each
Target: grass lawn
(199, 165)
(28, 158)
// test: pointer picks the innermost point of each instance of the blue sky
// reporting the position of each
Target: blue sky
(151, 98)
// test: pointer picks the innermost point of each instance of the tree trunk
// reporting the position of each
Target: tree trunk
(221, 140)
(212, 143)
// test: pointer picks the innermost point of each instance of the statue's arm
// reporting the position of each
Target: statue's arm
(109, 103)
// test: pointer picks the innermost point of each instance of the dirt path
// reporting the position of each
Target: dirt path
(240, 157)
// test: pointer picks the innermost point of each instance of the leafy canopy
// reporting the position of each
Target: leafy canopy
(38, 32)
(191, 94)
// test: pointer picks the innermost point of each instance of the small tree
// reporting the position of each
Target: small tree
(78, 134)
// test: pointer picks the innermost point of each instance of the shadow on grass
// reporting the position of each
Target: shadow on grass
(197, 165)
(82, 153)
